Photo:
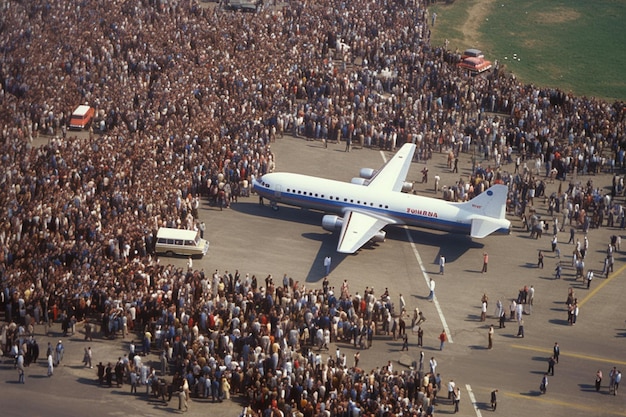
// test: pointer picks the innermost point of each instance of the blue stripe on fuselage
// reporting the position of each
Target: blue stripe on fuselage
(338, 207)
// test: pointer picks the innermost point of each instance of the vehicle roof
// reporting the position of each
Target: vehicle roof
(170, 233)
(473, 51)
(474, 60)
(81, 110)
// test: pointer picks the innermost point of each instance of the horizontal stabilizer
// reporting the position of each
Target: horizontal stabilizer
(483, 227)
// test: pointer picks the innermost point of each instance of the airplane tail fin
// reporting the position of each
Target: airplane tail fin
(488, 211)
(490, 203)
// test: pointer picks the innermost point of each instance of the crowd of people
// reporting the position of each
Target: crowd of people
(188, 100)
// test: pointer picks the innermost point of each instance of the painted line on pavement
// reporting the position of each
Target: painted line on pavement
(444, 323)
(601, 285)
(572, 355)
(593, 410)
(425, 274)
(470, 393)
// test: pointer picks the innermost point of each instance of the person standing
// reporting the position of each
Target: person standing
(598, 379)
(59, 353)
(618, 379)
(50, 364)
(483, 311)
(442, 264)
(485, 262)
(540, 259)
(589, 278)
(443, 338)
(420, 336)
(327, 263)
(490, 337)
(551, 363)
(556, 350)
(502, 318)
(457, 399)
(431, 286)
(433, 365)
(543, 387)
(520, 328)
(88, 357)
(20, 368)
(558, 270)
(405, 342)
(494, 399)
(451, 387)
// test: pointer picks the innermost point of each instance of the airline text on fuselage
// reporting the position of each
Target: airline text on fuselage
(419, 212)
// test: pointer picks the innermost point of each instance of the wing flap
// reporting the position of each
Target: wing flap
(357, 229)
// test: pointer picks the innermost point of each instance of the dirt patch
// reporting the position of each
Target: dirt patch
(557, 15)
(477, 14)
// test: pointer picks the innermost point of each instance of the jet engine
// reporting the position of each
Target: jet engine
(379, 237)
(332, 223)
(367, 173)
(359, 181)
(407, 187)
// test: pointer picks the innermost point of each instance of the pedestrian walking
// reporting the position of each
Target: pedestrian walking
(494, 399)
(540, 259)
(598, 379)
(442, 264)
(420, 336)
(558, 270)
(490, 336)
(618, 379)
(485, 262)
(405, 342)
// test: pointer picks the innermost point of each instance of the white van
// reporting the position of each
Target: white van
(180, 242)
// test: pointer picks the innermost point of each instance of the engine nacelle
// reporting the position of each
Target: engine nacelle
(379, 237)
(407, 187)
(367, 173)
(332, 223)
(359, 181)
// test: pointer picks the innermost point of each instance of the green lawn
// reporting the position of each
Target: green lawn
(575, 45)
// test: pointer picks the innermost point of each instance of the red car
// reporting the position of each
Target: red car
(475, 65)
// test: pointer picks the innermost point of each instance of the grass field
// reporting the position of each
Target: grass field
(574, 45)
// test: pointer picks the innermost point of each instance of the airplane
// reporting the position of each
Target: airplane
(375, 199)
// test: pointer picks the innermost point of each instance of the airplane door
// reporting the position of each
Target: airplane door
(277, 192)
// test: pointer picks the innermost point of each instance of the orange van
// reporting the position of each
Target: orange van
(81, 117)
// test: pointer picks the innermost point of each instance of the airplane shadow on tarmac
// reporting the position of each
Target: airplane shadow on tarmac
(455, 245)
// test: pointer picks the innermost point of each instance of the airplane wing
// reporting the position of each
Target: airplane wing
(357, 229)
(394, 172)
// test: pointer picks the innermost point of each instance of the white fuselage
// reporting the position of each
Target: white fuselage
(337, 197)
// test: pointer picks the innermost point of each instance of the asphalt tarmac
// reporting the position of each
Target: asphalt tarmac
(258, 240)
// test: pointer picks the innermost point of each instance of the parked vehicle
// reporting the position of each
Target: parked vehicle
(475, 65)
(181, 242)
(81, 117)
